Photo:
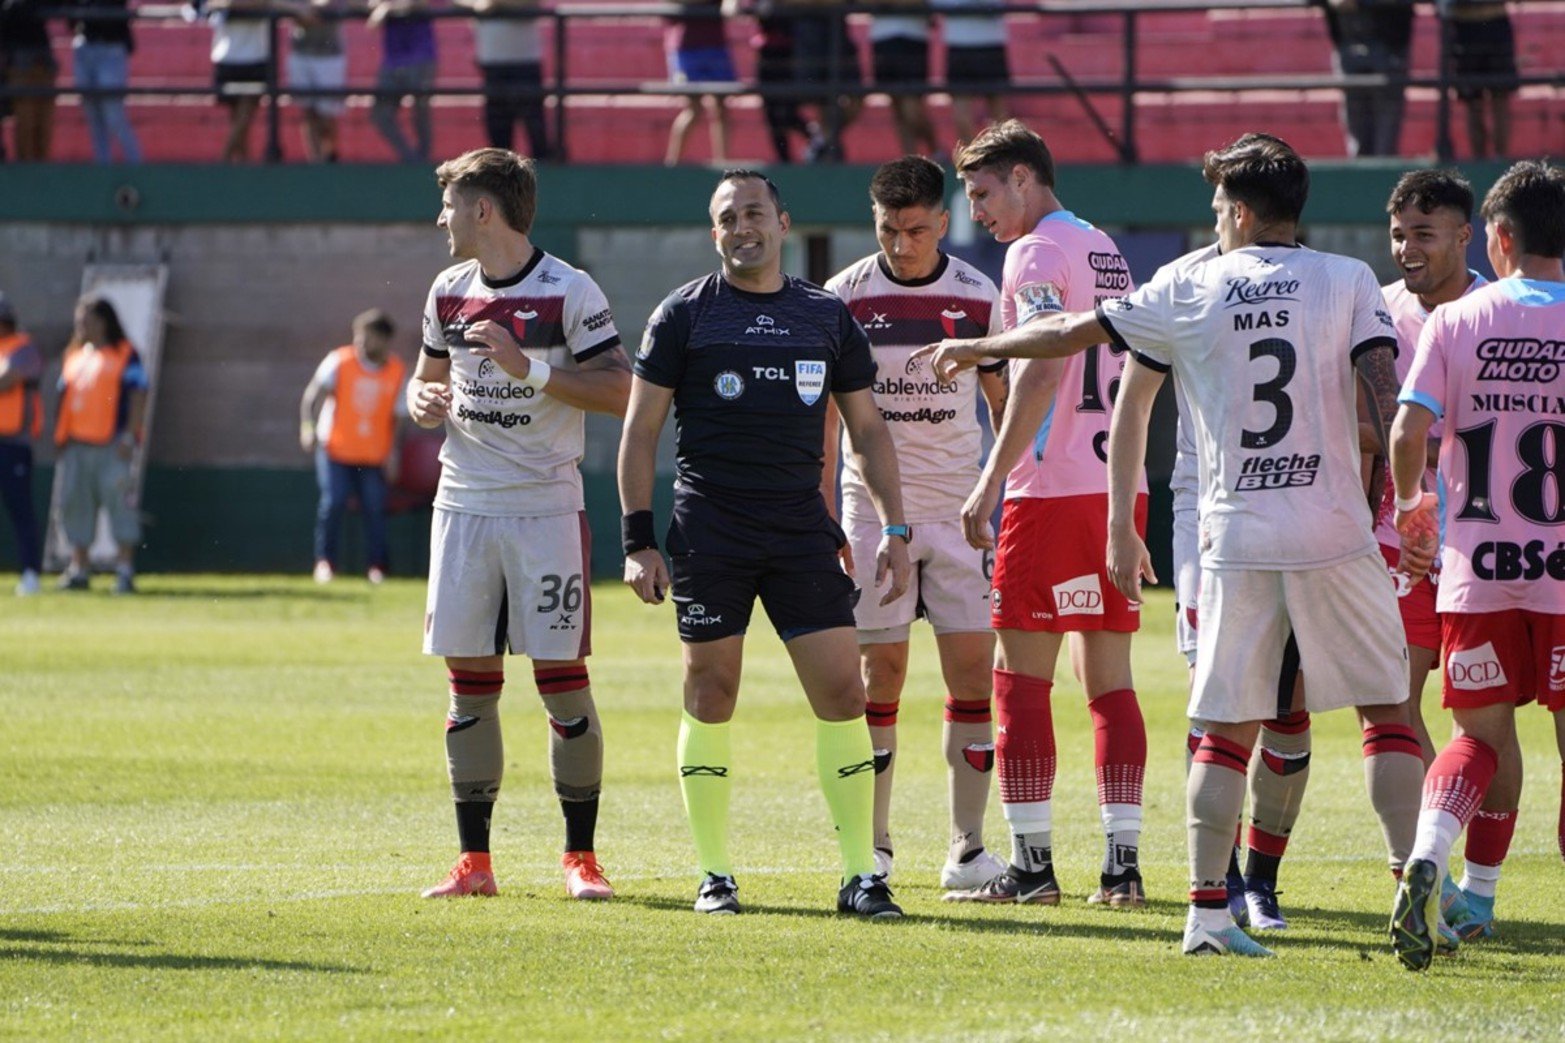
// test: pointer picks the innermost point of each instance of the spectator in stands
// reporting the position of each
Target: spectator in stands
(103, 403)
(361, 386)
(900, 44)
(1483, 44)
(1371, 36)
(21, 421)
(318, 61)
(774, 67)
(824, 53)
(29, 64)
(100, 61)
(407, 70)
(697, 49)
(975, 54)
(510, 59)
(241, 58)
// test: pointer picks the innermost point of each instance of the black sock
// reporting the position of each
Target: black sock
(1233, 861)
(581, 822)
(472, 824)
(1261, 867)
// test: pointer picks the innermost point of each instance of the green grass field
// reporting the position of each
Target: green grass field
(218, 802)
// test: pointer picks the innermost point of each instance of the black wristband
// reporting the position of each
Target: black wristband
(636, 532)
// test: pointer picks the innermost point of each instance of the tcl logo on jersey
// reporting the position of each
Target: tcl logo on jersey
(769, 373)
(1475, 669)
(1289, 470)
(1082, 596)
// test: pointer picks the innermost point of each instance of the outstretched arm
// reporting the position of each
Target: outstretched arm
(1057, 335)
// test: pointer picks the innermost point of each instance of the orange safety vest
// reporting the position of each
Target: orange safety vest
(21, 409)
(362, 422)
(92, 393)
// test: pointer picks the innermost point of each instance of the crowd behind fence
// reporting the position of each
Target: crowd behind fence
(539, 93)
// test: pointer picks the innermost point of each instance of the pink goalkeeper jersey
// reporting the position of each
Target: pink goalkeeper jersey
(1409, 316)
(1492, 367)
(1065, 264)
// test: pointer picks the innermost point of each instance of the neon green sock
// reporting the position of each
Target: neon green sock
(704, 760)
(846, 763)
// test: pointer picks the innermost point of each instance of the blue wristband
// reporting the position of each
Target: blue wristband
(906, 532)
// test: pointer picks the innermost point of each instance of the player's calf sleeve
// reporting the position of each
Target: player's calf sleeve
(575, 750)
(1488, 842)
(845, 762)
(882, 718)
(1120, 756)
(1025, 759)
(1393, 773)
(704, 757)
(1279, 772)
(475, 753)
(1453, 791)
(1214, 798)
(968, 739)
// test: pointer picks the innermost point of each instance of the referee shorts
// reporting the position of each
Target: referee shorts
(714, 596)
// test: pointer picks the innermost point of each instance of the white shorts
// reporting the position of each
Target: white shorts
(950, 585)
(1187, 580)
(1338, 624)
(517, 584)
(319, 72)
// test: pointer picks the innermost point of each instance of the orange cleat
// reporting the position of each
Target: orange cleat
(583, 877)
(470, 876)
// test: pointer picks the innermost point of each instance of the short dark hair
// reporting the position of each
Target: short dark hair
(374, 321)
(1005, 145)
(1429, 190)
(510, 179)
(745, 174)
(1530, 199)
(104, 310)
(1264, 173)
(909, 181)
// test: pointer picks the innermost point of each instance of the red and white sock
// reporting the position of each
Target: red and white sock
(1214, 798)
(1488, 842)
(1453, 791)
(1120, 755)
(1025, 761)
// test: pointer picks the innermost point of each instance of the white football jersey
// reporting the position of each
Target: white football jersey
(1262, 341)
(933, 423)
(511, 451)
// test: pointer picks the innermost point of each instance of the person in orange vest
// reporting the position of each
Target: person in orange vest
(103, 403)
(361, 386)
(21, 421)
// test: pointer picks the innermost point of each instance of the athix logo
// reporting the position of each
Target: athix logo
(1475, 669)
(695, 615)
(847, 771)
(716, 771)
(519, 320)
(766, 326)
(949, 318)
(1082, 596)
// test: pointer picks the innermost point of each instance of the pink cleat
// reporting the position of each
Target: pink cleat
(470, 876)
(583, 878)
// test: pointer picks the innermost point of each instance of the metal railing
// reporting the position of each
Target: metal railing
(1126, 86)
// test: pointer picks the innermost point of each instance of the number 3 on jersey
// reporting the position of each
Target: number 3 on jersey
(1271, 392)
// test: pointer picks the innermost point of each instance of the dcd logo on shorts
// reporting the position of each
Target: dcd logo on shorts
(1082, 596)
(1475, 669)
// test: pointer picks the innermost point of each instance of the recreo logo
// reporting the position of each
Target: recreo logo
(1475, 669)
(1082, 596)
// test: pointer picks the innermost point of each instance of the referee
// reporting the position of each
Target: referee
(747, 357)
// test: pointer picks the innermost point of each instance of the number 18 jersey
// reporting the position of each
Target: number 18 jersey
(1262, 341)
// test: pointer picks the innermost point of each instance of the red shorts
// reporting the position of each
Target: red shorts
(1051, 567)
(1492, 658)
(1420, 621)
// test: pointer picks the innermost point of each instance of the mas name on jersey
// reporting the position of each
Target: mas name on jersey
(1286, 471)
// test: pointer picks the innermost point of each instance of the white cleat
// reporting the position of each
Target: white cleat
(972, 874)
(1228, 941)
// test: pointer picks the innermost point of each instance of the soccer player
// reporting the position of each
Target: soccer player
(1431, 226)
(354, 438)
(1266, 338)
(906, 293)
(517, 346)
(1488, 367)
(747, 357)
(1048, 461)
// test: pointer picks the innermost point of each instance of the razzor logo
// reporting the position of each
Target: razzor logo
(1082, 596)
(1475, 669)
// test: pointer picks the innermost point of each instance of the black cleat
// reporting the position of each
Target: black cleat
(869, 896)
(719, 895)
